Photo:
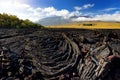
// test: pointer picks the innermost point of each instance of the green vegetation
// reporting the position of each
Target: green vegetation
(12, 21)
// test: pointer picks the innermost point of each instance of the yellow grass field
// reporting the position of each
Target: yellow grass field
(90, 25)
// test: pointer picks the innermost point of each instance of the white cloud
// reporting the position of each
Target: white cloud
(86, 6)
(25, 11)
(110, 9)
(16, 8)
(77, 8)
(105, 17)
(108, 17)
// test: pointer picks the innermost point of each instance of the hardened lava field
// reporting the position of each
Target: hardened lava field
(59, 54)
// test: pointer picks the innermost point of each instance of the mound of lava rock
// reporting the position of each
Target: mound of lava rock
(59, 54)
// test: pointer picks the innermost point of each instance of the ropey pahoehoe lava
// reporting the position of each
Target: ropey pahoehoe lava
(58, 54)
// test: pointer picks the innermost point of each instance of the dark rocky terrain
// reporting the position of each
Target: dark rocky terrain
(59, 54)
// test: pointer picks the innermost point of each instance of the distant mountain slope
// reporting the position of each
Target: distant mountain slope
(53, 21)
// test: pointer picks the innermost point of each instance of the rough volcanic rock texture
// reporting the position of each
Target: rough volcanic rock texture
(60, 54)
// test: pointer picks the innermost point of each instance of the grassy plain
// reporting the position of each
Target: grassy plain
(89, 25)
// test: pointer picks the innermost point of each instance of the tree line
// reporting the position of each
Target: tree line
(12, 21)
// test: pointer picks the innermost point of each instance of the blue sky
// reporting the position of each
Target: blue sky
(70, 4)
(105, 10)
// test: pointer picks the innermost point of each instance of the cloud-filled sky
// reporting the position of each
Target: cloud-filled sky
(77, 10)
